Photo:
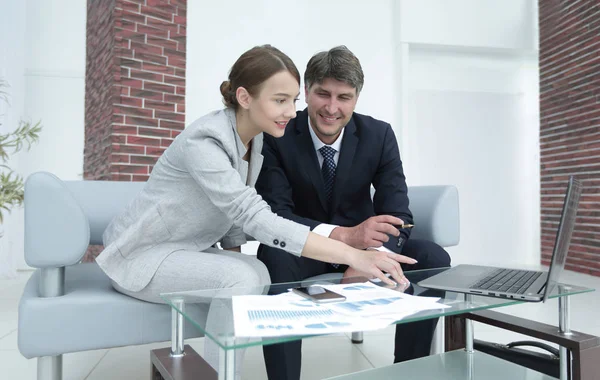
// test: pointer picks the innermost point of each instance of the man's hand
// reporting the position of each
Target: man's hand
(373, 232)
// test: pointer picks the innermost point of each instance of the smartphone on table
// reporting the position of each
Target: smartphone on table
(319, 294)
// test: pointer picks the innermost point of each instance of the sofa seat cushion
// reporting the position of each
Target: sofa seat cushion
(92, 315)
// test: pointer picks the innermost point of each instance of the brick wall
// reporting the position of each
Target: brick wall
(570, 124)
(99, 90)
(135, 86)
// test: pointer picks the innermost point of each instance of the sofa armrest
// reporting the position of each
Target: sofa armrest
(57, 231)
(435, 214)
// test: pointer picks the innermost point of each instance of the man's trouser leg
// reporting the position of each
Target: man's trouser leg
(284, 360)
(413, 340)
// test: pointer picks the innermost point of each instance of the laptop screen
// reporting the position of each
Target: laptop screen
(563, 235)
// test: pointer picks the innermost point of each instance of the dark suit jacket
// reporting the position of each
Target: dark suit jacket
(291, 182)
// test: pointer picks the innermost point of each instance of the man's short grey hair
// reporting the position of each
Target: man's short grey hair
(338, 63)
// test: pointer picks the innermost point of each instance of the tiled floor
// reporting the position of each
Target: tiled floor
(322, 357)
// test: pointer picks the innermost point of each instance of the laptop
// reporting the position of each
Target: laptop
(514, 283)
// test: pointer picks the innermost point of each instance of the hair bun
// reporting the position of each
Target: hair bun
(228, 94)
(225, 87)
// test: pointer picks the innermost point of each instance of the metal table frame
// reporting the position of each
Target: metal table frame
(579, 352)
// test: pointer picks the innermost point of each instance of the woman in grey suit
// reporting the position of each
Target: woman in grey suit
(201, 191)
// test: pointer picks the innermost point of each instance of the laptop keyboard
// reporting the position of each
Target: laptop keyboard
(507, 280)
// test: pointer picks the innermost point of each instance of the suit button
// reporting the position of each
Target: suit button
(275, 242)
(282, 245)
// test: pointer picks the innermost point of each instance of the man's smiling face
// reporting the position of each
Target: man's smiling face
(330, 107)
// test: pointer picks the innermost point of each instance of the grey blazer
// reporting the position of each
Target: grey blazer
(200, 192)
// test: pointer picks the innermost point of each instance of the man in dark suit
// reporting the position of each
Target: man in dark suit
(320, 174)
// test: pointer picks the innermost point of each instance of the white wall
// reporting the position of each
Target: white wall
(47, 70)
(470, 117)
(508, 24)
(218, 34)
(55, 85)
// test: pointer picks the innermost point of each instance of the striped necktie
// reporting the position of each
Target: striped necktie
(328, 170)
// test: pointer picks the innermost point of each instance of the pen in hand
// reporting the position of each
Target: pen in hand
(400, 238)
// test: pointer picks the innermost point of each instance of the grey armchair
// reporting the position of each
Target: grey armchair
(68, 306)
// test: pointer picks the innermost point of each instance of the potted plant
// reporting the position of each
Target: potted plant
(11, 184)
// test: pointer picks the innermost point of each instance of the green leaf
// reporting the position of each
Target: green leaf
(25, 135)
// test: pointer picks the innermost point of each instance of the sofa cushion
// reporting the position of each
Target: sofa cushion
(92, 315)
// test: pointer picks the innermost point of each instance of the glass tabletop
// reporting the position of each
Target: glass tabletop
(220, 327)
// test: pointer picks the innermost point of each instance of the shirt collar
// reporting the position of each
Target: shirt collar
(337, 144)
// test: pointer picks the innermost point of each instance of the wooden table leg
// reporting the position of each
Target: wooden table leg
(454, 336)
(187, 367)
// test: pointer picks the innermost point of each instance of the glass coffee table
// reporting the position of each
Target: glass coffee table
(182, 362)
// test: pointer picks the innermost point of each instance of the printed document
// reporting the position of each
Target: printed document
(367, 307)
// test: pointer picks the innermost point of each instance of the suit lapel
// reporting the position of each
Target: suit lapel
(256, 160)
(344, 165)
(249, 171)
(308, 157)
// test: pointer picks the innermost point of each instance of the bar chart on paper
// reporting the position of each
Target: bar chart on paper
(277, 315)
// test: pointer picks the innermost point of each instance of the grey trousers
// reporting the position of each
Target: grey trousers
(211, 269)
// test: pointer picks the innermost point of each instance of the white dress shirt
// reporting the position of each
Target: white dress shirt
(337, 145)
(325, 229)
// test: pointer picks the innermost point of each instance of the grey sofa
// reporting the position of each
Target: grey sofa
(68, 306)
